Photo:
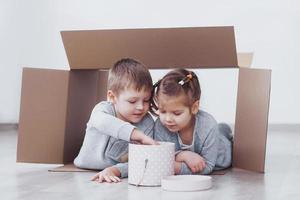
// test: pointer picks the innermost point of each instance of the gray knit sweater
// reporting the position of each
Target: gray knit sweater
(106, 139)
(209, 142)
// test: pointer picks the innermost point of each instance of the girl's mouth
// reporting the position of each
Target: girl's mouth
(171, 126)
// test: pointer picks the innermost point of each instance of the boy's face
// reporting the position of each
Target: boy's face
(131, 105)
(174, 114)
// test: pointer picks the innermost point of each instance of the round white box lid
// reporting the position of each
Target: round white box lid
(186, 183)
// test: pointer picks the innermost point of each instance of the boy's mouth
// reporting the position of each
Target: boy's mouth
(138, 114)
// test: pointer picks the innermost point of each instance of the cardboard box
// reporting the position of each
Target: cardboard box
(56, 104)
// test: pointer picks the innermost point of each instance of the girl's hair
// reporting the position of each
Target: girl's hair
(128, 72)
(175, 83)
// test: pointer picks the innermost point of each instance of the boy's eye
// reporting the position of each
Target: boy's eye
(177, 113)
(131, 101)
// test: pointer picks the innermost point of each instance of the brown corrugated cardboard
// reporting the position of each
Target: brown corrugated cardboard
(157, 48)
(42, 116)
(245, 59)
(251, 122)
(55, 106)
(72, 168)
(57, 119)
(69, 168)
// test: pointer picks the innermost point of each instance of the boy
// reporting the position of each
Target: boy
(121, 119)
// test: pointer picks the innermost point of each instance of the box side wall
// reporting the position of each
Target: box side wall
(102, 85)
(198, 47)
(245, 59)
(82, 97)
(42, 116)
(251, 123)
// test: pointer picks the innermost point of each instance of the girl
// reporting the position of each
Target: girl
(202, 145)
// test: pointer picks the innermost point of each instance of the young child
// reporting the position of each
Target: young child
(201, 144)
(121, 119)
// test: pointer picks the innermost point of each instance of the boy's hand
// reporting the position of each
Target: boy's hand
(193, 160)
(139, 137)
(109, 174)
(148, 140)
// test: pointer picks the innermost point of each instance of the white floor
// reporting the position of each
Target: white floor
(33, 181)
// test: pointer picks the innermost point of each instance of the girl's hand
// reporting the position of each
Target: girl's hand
(177, 167)
(193, 160)
(109, 174)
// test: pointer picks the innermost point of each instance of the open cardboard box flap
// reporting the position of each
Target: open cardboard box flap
(157, 48)
(56, 104)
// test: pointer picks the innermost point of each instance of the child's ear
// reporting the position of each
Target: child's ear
(195, 107)
(111, 97)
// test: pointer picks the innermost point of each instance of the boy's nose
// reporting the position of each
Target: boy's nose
(139, 106)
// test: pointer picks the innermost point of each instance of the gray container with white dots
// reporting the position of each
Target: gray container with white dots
(148, 164)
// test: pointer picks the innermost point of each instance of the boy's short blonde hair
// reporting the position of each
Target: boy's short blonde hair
(126, 73)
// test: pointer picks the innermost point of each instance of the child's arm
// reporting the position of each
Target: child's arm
(209, 153)
(112, 174)
(193, 160)
(177, 167)
(140, 137)
(103, 119)
(109, 174)
(110, 125)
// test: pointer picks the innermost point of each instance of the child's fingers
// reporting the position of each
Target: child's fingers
(202, 165)
(114, 179)
(191, 166)
(148, 140)
(119, 180)
(107, 179)
(197, 168)
(194, 169)
(100, 179)
(152, 142)
(94, 178)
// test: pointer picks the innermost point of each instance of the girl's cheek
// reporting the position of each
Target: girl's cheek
(161, 117)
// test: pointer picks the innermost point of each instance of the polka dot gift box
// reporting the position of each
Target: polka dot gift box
(148, 164)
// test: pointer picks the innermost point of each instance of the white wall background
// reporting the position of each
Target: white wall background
(29, 37)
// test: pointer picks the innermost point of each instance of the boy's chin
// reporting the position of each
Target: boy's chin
(135, 119)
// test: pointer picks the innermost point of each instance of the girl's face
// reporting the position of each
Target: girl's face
(174, 114)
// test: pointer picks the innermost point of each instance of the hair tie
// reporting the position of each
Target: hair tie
(186, 79)
(189, 76)
(157, 83)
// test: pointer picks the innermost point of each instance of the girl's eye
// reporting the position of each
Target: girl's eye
(177, 113)
(132, 102)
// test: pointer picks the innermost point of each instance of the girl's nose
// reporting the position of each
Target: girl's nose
(168, 118)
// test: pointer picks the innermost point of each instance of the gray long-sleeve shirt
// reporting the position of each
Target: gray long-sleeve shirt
(106, 139)
(208, 140)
